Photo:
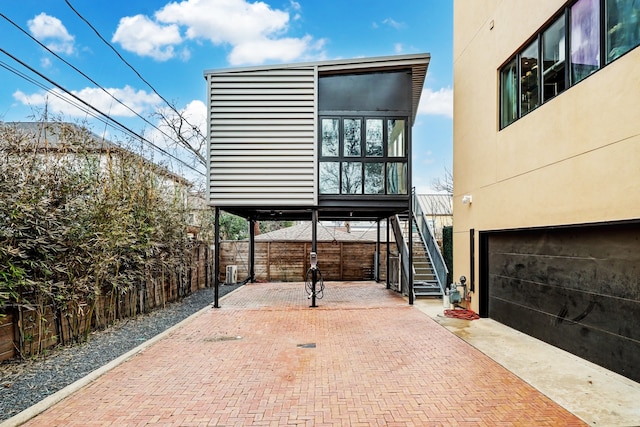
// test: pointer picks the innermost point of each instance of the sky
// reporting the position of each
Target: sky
(152, 53)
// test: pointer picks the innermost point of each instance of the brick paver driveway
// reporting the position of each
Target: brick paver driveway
(363, 357)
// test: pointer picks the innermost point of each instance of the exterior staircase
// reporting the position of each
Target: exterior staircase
(425, 280)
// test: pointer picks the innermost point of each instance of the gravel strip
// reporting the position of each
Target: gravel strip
(25, 383)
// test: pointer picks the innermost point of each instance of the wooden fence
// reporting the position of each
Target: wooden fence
(29, 331)
(289, 261)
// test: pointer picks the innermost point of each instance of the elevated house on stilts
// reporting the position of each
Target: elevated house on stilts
(328, 140)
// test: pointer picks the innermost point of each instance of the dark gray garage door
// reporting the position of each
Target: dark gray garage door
(577, 288)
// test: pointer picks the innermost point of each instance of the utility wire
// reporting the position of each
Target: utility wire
(47, 89)
(84, 75)
(118, 124)
(195, 128)
(94, 82)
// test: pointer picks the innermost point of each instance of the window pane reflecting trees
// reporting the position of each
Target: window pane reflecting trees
(374, 138)
(330, 137)
(622, 26)
(351, 178)
(329, 177)
(367, 161)
(374, 178)
(352, 138)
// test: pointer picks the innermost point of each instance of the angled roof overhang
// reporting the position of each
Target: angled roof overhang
(418, 63)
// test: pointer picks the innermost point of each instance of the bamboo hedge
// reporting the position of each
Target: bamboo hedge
(84, 231)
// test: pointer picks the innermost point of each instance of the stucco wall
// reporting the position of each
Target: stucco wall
(572, 160)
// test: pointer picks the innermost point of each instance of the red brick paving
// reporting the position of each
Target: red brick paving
(376, 362)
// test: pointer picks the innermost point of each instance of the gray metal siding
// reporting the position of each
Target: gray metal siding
(262, 138)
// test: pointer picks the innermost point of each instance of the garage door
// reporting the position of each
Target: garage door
(577, 288)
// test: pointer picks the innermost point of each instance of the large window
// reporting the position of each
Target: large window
(585, 39)
(363, 156)
(509, 93)
(622, 27)
(540, 71)
(553, 60)
(529, 78)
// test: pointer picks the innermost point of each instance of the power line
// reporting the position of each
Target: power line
(195, 128)
(115, 122)
(85, 76)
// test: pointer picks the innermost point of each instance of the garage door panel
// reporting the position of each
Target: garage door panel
(609, 350)
(561, 305)
(577, 288)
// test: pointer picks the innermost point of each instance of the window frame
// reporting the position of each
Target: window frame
(385, 159)
(603, 58)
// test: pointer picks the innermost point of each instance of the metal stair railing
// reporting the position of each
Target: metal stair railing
(430, 243)
(403, 249)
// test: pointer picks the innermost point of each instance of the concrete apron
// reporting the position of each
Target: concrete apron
(596, 395)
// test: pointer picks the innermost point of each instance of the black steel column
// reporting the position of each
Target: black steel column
(410, 272)
(388, 253)
(376, 270)
(314, 248)
(252, 250)
(216, 272)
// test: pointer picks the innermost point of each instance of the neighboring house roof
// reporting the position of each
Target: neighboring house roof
(302, 233)
(436, 204)
(55, 136)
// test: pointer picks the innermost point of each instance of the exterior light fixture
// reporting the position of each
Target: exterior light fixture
(467, 199)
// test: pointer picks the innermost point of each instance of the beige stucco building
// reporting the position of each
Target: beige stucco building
(546, 171)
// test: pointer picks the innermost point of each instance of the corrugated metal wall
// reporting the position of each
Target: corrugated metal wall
(262, 144)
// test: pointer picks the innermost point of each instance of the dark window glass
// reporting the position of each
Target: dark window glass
(508, 93)
(585, 39)
(553, 59)
(623, 27)
(529, 86)
(351, 178)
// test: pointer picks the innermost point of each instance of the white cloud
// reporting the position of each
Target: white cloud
(57, 101)
(262, 50)
(145, 37)
(398, 48)
(438, 103)
(393, 23)
(255, 32)
(52, 33)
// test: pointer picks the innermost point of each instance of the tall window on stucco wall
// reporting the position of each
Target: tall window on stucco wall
(622, 27)
(363, 156)
(585, 39)
(577, 42)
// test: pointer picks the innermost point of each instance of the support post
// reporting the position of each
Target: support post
(410, 272)
(376, 268)
(388, 253)
(216, 272)
(252, 250)
(314, 248)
